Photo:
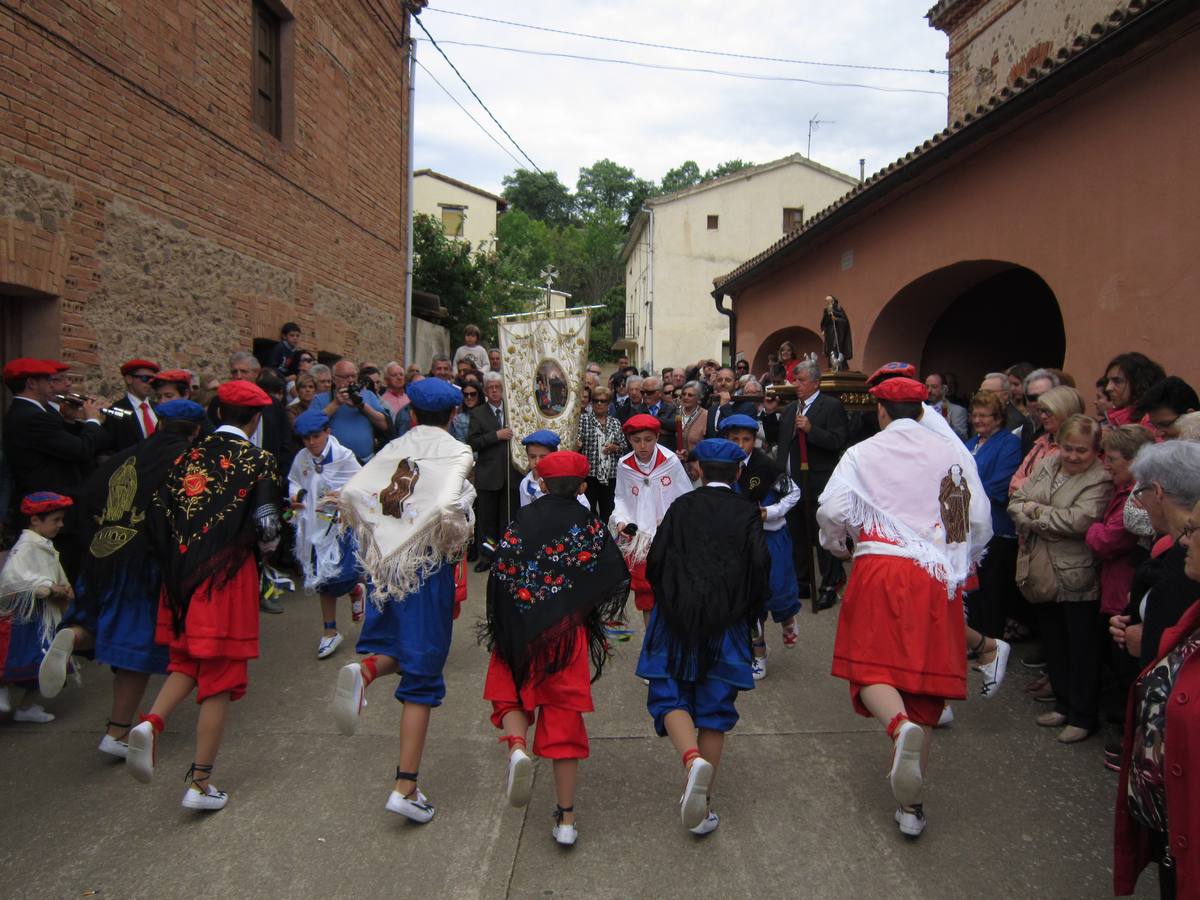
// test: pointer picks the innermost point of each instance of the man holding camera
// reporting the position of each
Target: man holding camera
(355, 413)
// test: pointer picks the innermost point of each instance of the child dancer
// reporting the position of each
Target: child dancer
(116, 595)
(325, 552)
(649, 479)
(919, 518)
(556, 578)
(537, 446)
(218, 503)
(769, 486)
(410, 508)
(34, 591)
(708, 567)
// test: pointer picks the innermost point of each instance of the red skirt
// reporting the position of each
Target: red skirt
(643, 594)
(897, 627)
(220, 623)
(569, 688)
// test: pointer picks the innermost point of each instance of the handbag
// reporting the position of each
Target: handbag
(1035, 572)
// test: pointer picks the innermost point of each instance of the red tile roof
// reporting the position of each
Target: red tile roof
(972, 124)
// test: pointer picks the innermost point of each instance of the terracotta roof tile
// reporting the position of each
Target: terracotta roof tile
(1100, 31)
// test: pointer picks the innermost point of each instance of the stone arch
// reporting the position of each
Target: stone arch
(970, 318)
(805, 340)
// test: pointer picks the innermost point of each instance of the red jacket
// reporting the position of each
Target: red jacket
(1181, 765)
(1111, 544)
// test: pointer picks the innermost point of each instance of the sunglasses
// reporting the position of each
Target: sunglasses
(470, 394)
(144, 379)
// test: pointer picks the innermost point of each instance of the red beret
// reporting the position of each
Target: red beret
(24, 367)
(42, 502)
(642, 422)
(133, 365)
(183, 376)
(563, 464)
(242, 393)
(893, 370)
(900, 390)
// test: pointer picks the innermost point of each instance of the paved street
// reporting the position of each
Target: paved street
(805, 809)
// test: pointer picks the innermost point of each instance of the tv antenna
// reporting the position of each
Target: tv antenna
(813, 124)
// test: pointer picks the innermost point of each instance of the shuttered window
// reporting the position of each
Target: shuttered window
(266, 69)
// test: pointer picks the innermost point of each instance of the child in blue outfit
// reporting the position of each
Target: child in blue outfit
(708, 567)
(33, 593)
(768, 485)
(410, 511)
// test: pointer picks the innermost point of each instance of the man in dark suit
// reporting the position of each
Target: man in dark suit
(125, 431)
(653, 404)
(42, 452)
(722, 402)
(495, 481)
(823, 421)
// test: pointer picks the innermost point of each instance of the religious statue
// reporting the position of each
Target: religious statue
(835, 328)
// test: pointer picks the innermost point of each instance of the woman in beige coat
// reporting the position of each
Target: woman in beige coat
(1058, 574)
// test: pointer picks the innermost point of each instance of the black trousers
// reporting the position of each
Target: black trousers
(493, 511)
(830, 570)
(989, 604)
(1074, 646)
(601, 497)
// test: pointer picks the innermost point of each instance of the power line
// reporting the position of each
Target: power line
(726, 74)
(617, 40)
(491, 136)
(475, 95)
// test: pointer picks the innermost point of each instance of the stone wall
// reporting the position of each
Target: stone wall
(993, 42)
(144, 212)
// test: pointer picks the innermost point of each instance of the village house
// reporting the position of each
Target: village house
(680, 241)
(1054, 219)
(466, 212)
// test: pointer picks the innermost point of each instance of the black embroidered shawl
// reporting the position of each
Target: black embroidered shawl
(556, 567)
(218, 500)
(116, 500)
(709, 569)
(760, 476)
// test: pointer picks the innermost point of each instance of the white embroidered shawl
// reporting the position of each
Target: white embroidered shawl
(643, 497)
(316, 524)
(889, 486)
(31, 569)
(436, 525)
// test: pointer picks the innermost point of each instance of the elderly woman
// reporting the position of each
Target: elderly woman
(997, 453)
(693, 416)
(306, 389)
(323, 375)
(1057, 572)
(1159, 790)
(1053, 407)
(602, 442)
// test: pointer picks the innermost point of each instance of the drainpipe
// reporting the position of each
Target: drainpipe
(718, 296)
(649, 362)
(408, 208)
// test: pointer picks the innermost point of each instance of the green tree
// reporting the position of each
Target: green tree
(605, 185)
(727, 168)
(541, 195)
(683, 176)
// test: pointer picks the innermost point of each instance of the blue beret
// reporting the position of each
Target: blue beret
(180, 409)
(718, 450)
(543, 437)
(739, 420)
(311, 421)
(434, 395)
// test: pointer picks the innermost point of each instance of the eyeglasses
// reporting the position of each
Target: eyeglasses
(1163, 426)
(1032, 398)
(1187, 531)
(470, 394)
(1138, 490)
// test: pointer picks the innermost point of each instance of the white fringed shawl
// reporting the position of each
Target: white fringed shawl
(315, 528)
(398, 554)
(889, 486)
(643, 498)
(31, 569)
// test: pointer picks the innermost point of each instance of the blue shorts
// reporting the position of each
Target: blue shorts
(125, 635)
(348, 573)
(784, 600)
(415, 632)
(711, 702)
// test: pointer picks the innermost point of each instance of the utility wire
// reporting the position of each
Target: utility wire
(721, 72)
(475, 95)
(491, 136)
(617, 40)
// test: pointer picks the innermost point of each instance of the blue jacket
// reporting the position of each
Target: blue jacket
(997, 460)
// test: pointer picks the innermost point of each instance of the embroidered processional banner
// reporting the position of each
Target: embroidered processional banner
(545, 356)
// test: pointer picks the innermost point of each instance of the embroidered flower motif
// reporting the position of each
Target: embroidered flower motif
(241, 492)
(179, 459)
(195, 454)
(225, 463)
(583, 556)
(183, 548)
(194, 483)
(524, 594)
(666, 481)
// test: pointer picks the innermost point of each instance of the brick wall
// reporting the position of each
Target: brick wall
(993, 42)
(140, 199)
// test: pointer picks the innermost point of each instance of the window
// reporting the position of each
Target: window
(793, 218)
(267, 80)
(712, 223)
(452, 220)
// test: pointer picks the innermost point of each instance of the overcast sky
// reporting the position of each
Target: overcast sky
(569, 113)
